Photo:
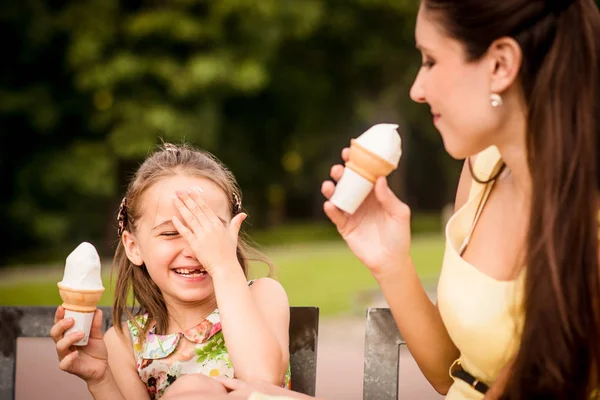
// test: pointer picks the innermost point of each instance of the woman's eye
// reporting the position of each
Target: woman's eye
(428, 63)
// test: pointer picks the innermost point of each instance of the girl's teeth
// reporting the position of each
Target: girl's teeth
(184, 271)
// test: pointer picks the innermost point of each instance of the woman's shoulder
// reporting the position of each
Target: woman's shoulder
(477, 168)
(486, 162)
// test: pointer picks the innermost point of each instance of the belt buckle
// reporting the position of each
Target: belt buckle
(455, 365)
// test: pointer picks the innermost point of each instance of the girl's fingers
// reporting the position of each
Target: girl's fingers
(191, 214)
(59, 328)
(67, 362)
(63, 346)
(59, 314)
(231, 383)
(235, 225)
(183, 230)
(96, 330)
(196, 197)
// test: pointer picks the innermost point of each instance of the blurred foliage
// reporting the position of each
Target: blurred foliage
(275, 88)
(325, 275)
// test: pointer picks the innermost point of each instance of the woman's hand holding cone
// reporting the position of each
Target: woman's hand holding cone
(378, 233)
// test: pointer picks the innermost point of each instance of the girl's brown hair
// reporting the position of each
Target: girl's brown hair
(133, 280)
(560, 40)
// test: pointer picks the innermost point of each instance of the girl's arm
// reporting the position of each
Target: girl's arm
(255, 323)
(123, 367)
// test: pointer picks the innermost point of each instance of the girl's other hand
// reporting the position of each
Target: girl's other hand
(89, 362)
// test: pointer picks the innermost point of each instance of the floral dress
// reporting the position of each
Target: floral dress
(160, 359)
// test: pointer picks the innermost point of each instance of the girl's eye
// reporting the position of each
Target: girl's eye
(175, 233)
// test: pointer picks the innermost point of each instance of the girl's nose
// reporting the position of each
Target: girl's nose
(187, 251)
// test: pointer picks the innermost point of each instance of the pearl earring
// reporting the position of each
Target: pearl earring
(495, 99)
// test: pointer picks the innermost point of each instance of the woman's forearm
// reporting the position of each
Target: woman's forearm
(420, 324)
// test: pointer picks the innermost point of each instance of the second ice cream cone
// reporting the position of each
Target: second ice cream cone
(79, 300)
(366, 163)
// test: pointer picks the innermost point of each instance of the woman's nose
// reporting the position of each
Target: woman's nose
(417, 92)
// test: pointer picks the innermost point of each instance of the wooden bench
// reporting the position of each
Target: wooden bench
(382, 355)
(16, 322)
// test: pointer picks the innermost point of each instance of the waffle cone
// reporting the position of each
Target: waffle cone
(79, 300)
(366, 163)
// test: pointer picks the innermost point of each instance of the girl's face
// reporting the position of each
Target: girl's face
(166, 254)
(457, 90)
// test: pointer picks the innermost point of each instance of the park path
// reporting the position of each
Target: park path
(339, 366)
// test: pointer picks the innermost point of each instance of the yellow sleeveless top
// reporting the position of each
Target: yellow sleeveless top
(483, 316)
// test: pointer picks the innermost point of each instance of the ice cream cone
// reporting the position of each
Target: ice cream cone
(373, 154)
(80, 300)
(80, 304)
(366, 163)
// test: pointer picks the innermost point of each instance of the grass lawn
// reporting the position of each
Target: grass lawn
(323, 274)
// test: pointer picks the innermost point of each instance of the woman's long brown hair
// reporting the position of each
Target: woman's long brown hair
(560, 344)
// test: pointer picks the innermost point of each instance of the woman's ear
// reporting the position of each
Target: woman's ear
(505, 58)
(132, 249)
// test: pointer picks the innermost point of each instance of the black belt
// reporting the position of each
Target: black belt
(457, 371)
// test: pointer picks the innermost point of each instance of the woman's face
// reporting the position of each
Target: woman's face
(457, 91)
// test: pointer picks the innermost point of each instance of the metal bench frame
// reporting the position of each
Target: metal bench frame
(382, 355)
(24, 321)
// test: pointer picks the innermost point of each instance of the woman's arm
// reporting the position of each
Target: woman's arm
(122, 367)
(421, 325)
(418, 318)
(255, 323)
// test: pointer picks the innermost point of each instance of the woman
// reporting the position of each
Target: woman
(514, 89)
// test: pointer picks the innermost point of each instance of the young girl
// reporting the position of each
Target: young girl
(180, 258)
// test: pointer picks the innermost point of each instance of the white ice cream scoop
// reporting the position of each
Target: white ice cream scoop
(82, 268)
(373, 154)
(81, 288)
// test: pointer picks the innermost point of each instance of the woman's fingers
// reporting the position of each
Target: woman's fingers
(346, 154)
(327, 189)
(336, 172)
(336, 215)
(389, 201)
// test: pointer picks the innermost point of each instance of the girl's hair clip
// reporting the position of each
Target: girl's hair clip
(122, 217)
